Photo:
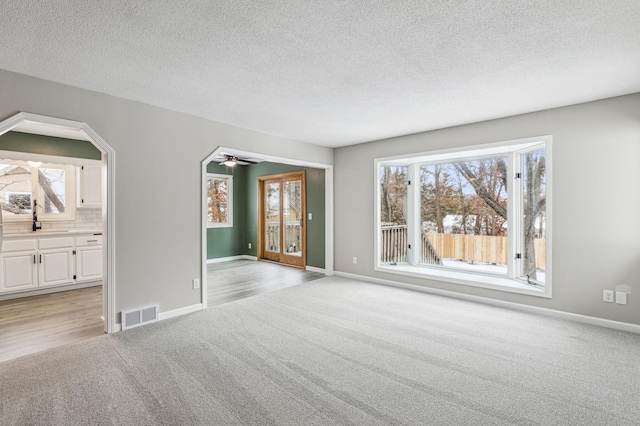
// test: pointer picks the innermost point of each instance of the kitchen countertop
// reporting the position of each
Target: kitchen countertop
(52, 232)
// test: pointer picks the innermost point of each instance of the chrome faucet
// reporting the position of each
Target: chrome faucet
(35, 217)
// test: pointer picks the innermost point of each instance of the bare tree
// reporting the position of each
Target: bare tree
(535, 202)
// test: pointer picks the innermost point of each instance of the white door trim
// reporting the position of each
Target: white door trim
(47, 126)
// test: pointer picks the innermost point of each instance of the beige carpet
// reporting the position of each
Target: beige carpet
(335, 351)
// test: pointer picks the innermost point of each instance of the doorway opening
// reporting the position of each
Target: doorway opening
(26, 123)
(281, 218)
(319, 180)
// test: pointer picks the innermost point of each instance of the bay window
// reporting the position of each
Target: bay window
(478, 216)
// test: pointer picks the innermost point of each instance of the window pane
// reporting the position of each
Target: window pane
(272, 219)
(534, 202)
(52, 184)
(393, 213)
(217, 200)
(15, 190)
(292, 211)
(463, 214)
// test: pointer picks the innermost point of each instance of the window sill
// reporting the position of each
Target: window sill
(475, 280)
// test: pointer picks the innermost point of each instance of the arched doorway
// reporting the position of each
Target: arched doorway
(57, 127)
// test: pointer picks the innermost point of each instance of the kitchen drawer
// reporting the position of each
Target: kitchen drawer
(52, 243)
(89, 240)
(19, 245)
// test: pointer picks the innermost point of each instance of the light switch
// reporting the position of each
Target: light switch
(310, 216)
(621, 298)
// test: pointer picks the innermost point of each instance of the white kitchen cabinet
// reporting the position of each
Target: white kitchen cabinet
(19, 271)
(55, 267)
(36, 263)
(55, 261)
(90, 185)
(89, 258)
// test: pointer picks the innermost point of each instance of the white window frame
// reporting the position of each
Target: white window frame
(70, 199)
(229, 179)
(512, 281)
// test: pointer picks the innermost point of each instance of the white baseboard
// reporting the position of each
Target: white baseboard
(180, 311)
(228, 258)
(314, 269)
(585, 319)
(168, 314)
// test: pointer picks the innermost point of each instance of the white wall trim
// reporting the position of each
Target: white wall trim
(180, 311)
(229, 258)
(585, 319)
(169, 314)
(314, 269)
(108, 191)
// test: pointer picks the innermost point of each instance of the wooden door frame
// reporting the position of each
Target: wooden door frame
(282, 177)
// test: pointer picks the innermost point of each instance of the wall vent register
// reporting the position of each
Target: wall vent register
(138, 317)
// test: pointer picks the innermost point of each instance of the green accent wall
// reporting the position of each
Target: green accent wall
(224, 242)
(48, 145)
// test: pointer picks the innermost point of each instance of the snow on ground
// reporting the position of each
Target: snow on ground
(487, 268)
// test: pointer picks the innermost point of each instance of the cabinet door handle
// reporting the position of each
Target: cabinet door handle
(40, 258)
(92, 241)
(34, 259)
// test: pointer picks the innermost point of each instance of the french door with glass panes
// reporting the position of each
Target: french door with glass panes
(281, 227)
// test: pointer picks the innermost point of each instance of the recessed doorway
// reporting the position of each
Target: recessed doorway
(79, 290)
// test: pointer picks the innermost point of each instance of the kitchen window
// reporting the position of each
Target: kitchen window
(478, 216)
(219, 201)
(49, 186)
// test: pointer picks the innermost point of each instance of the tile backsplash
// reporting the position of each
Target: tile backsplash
(85, 219)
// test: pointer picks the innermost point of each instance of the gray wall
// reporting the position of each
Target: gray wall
(596, 202)
(158, 182)
(596, 198)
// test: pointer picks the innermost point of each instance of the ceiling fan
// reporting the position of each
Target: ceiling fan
(232, 160)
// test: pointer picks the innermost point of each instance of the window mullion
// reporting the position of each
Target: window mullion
(515, 211)
(411, 214)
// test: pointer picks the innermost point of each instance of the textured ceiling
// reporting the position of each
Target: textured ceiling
(332, 72)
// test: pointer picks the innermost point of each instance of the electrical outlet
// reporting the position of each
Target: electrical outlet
(249, 245)
(355, 260)
(607, 296)
(196, 283)
(621, 298)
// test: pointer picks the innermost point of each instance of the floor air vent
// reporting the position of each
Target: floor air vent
(137, 317)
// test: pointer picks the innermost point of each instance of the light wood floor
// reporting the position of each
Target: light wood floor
(36, 323)
(237, 279)
(33, 324)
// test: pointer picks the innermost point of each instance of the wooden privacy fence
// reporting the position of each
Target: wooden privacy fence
(472, 248)
(434, 246)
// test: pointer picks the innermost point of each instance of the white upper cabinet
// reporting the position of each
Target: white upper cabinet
(90, 185)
